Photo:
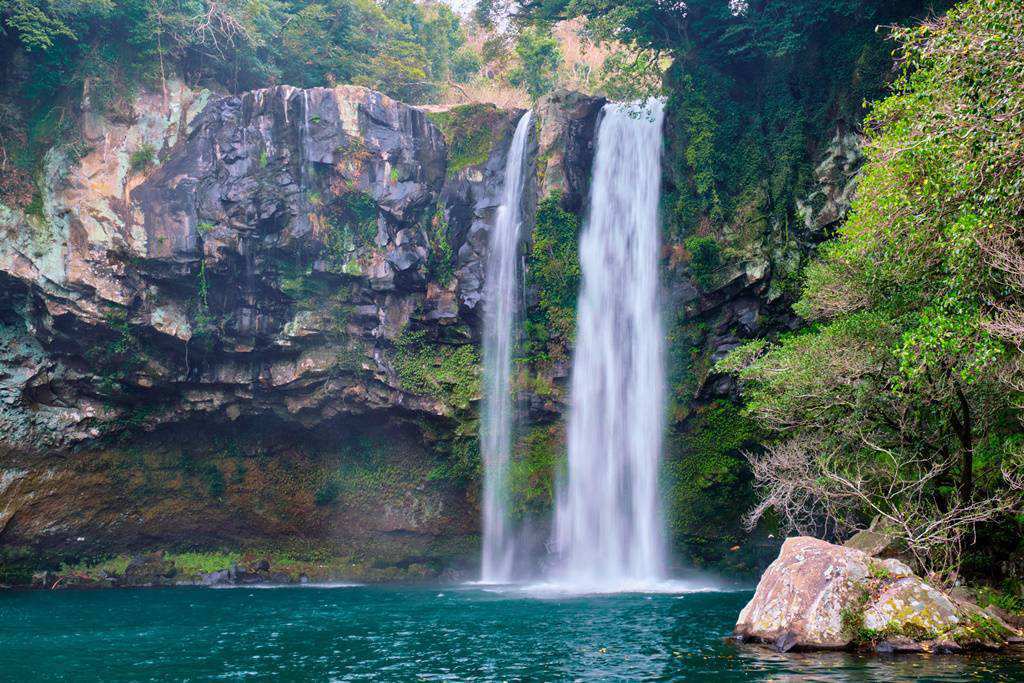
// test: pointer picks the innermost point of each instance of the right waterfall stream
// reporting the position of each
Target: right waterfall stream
(608, 524)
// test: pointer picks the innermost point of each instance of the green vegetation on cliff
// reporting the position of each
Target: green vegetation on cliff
(471, 131)
(552, 277)
(449, 373)
(902, 398)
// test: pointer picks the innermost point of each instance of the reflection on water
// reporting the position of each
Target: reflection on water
(842, 666)
(392, 633)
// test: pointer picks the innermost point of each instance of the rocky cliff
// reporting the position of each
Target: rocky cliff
(253, 321)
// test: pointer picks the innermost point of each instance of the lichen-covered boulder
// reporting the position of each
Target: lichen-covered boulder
(817, 595)
(909, 605)
(800, 599)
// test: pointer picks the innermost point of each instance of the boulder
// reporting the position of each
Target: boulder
(817, 595)
(800, 597)
(871, 542)
(148, 569)
(878, 541)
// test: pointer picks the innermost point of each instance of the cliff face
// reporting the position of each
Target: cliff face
(246, 321)
(237, 322)
(264, 266)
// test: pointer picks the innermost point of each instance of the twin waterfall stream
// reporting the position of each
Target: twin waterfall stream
(607, 532)
(500, 325)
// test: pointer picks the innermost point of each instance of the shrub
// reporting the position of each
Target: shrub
(705, 258)
(142, 158)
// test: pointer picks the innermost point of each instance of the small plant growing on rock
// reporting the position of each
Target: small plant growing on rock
(878, 571)
(142, 158)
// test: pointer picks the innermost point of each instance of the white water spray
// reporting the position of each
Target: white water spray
(501, 303)
(608, 527)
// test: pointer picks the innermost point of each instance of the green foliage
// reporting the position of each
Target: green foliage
(978, 628)
(441, 263)
(37, 24)
(1010, 599)
(115, 360)
(213, 478)
(328, 492)
(461, 456)
(112, 566)
(707, 475)
(553, 275)
(705, 258)
(532, 469)
(449, 373)
(196, 563)
(352, 224)
(687, 363)
(142, 158)
(753, 89)
(902, 375)
(539, 58)
(204, 322)
(471, 131)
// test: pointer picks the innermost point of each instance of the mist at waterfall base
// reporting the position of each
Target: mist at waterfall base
(607, 532)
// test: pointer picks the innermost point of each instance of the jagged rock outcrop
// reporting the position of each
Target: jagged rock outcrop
(567, 140)
(253, 320)
(817, 595)
(267, 264)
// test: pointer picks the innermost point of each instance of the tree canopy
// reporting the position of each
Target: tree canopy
(53, 52)
(901, 400)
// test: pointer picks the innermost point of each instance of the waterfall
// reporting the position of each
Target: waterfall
(608, 527)
(501, 302)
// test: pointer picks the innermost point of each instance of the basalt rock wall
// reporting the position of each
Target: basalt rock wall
(253, 321)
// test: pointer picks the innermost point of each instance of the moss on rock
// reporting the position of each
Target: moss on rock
(471, 131)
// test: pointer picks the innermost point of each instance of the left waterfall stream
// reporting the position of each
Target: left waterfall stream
(501, 308)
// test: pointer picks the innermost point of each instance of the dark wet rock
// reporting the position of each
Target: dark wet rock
(218, 578)
(148, 569)
(785, 642)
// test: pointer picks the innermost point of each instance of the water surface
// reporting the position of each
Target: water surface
(401, 633)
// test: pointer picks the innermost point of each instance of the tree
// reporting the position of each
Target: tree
(902, 398)
(539, 59)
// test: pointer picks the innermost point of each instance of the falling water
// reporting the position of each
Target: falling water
(608, 531)
(501, 304)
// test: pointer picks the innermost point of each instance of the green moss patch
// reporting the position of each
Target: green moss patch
(449, 373)
(471, 131)
(553, 276)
